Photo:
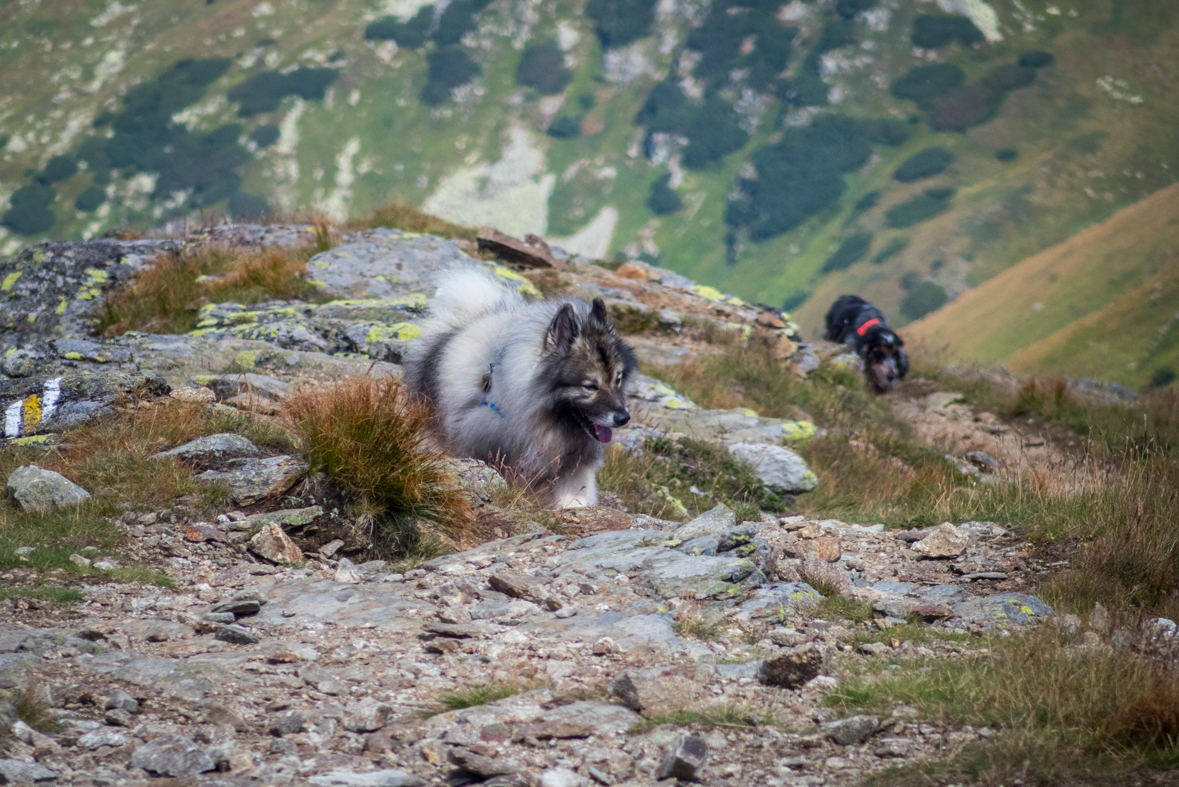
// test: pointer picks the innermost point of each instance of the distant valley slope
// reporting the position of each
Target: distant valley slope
(908, 150)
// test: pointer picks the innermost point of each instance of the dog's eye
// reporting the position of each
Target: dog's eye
(590, 386)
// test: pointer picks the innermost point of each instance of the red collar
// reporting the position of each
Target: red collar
(863, 329)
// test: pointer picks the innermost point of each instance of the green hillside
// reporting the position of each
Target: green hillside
(785, 153)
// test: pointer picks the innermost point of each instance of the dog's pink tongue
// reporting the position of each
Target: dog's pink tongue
(604, 433)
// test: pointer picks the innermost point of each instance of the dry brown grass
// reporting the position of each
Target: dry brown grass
(1060, 713)
(167, 295)
(411, 218)
(373, 441)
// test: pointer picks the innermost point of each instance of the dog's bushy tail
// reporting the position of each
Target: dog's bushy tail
(466, 294)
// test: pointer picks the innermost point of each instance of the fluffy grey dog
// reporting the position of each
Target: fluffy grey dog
(535, 389)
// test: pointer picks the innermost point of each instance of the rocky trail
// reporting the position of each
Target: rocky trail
(611, 648)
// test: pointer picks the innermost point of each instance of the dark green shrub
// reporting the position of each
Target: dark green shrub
(663, 200)
(909, 280)
(264, 92)
(931, 31)
(103, 118)
(837, 33)
(666, 109)
(887, 131)
(30, 213)
(925, 83)
(799, 176)
(920, 208)
(965, 108)
(90, 199)
(456, 21)
(926, 164)
(1009, 77)
(849, 8)
(719, 40)
(265, 135)
(926, 297)
(586, 101)
(449, 67)
(713, 133)
(1036, 59)
(1007, 154)
(619, 22)
(1162, 377)
(248, 206)
(543, 67)
(411, 34)
(57, 168)
(867, 202)
(891, 249)
(805, 90)
(93, 152)
(851, 251)
(795, 299)
(565, 127)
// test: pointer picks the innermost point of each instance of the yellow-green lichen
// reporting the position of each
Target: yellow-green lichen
(9, 280)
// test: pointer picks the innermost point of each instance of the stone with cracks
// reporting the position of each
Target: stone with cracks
(792, 668)
(41, 491)
(944, 542)
(777, 467)
(212, 450)
(251, 480)
(655, 690)
(17, 772)
(517, 585)
(712, 522)
(367, 716)
(684, 760)
(238, 635)
(172, 755)
(271, 543)
(852, 730)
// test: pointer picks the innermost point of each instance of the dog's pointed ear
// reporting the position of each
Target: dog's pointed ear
(563, 330)
(598, 313)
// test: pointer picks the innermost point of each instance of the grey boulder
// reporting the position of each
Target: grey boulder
(386, 778)
(172, 755)
(250, 480)
(777, 467)
(212, 450)
(41, 491)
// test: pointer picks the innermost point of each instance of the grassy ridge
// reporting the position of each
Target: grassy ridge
(1116, 276)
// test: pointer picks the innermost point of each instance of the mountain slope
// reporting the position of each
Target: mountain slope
(809, 149)
(1089, 306)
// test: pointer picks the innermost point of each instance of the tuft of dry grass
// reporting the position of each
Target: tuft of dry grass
(1060, 714)
(410, 218)
(372, 440)
(167, 295)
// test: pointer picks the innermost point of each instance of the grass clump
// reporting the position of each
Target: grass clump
(411, 218)
(699, 624)
(684, 478)
(475, 696)
(371, 440)
(1061, 715)
(166, 297)
(54, 595)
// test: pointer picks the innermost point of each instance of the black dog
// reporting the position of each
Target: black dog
(854, 321)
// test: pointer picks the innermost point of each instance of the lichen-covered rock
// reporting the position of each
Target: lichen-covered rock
(777, 467)
(792, 668)
(41, 491)
(212, 450)
(36, 405)
(271, 543)
(50, 290)
(250, 480)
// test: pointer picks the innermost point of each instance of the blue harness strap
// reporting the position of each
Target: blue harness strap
(487, 386)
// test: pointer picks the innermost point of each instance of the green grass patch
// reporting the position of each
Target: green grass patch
(918, 633)
(53, 595)
(476, 695)
(1068, 715)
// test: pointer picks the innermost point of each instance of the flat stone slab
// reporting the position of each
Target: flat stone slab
(251, 480)
(212, 450)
